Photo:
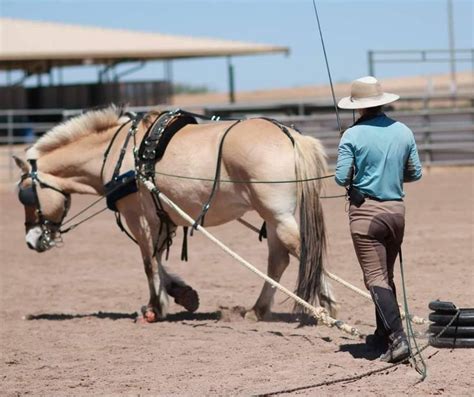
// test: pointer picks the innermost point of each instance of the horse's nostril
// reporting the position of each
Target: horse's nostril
(30, 246)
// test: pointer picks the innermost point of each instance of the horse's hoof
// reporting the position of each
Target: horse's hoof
(186, 297)
(150, 316)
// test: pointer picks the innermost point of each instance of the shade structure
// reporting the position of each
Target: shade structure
(34, 46)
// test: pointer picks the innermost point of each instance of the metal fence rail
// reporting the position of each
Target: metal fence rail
(444, 137)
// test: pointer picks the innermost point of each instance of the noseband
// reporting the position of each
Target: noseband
(28, 196)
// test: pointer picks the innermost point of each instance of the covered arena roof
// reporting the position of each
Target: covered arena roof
(33, 46)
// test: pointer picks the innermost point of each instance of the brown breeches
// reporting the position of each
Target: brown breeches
(377, 233)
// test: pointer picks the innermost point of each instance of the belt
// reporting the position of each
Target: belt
(380, 200)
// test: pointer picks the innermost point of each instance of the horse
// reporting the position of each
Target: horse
(70, 159)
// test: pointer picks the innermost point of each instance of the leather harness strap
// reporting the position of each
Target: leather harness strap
(151, 150)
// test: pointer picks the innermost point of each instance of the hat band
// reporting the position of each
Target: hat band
(379, 96)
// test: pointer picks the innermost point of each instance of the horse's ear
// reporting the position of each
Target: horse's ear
(22, 164)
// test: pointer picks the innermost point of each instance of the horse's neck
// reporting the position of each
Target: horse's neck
(76, 166)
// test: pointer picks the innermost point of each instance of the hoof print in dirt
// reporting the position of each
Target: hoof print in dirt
(232, 314)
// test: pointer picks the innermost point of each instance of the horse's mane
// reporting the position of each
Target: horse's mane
(93, 121)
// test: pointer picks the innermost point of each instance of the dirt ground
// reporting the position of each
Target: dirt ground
(67, 316)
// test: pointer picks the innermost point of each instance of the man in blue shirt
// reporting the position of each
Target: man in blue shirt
(375, 156)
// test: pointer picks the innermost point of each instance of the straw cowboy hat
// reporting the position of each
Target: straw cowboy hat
(366, 92)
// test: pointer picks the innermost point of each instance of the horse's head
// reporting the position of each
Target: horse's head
(46, 206)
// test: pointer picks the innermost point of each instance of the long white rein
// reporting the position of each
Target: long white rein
(318, 312)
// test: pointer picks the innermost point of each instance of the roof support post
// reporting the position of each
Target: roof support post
(452, 54)
(169, 80)
(230, 71)
(370, 61)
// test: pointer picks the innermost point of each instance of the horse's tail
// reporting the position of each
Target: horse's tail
(312, 280)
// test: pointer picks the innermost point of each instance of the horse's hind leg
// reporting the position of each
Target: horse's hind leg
(282, 239)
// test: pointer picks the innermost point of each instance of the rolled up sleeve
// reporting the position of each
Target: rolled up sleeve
(345, 161)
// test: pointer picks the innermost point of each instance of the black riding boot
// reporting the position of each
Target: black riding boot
(387, 308)
(379, 340)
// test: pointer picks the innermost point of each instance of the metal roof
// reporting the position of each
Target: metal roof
(34, 46)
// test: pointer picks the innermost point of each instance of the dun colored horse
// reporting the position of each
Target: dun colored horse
(70, 159)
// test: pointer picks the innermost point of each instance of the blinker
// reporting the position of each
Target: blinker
(27, 196)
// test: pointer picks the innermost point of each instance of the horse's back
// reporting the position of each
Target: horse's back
(253, 147)
(253, 150)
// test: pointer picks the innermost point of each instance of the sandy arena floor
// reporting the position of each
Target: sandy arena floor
(81, 338)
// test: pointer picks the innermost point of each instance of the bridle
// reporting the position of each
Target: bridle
(28, 196)
(51, 231)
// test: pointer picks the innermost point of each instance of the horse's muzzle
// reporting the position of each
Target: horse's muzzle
(38, 240)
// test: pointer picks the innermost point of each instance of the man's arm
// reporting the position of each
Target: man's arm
(412, 171)
(345, 161)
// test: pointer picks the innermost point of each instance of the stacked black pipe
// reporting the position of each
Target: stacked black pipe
(460, 333)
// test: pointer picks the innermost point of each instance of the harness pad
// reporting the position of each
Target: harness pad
(118, 188)
(154, 144)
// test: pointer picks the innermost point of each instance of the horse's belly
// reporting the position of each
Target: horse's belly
(225, 206)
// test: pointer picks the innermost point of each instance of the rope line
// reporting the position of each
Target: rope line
(331, 382)
(242, 181)
(403, 313)
(410, 333)
(82, 221)
(83, 210)
(362, 375)
(327, 66)
(318, 312)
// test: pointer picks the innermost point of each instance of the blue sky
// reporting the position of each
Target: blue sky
(350, 28)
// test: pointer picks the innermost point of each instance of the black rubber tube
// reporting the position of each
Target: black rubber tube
(442, 306)
(460, 332)
(466, 318)
(452, 342)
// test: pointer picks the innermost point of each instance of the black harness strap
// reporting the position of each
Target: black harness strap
(120, 186)
(118, 219)
(107, 151)
(29, 196)
(157, 138)
(184, 247)
(151, 150)
(207, 205)
(263, 232)
(131, 132)
(282, 127)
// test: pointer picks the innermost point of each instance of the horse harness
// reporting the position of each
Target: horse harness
(151, 151)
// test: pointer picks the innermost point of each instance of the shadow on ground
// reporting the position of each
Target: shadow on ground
(223, 314)
(70, 316)
(360, 350)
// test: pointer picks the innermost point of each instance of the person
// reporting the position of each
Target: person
(375, 156)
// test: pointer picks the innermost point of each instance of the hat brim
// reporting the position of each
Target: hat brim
(362, 103)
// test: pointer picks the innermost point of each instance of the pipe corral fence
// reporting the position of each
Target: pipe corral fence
(443, 136)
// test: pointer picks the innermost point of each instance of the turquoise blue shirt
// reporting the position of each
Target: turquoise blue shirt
(384, 155)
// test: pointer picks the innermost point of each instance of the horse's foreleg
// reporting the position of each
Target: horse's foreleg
(145, 228)
(281, 239)
(157, 307)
